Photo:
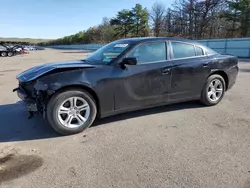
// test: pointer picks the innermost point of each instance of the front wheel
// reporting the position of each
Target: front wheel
(213, 90)
(71, 111)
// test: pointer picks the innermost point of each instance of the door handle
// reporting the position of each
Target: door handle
(165, 70)
(205, 64)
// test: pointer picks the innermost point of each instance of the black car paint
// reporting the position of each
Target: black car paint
(35, 72)
(119, 89)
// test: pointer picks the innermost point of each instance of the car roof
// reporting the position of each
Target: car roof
(145, 39)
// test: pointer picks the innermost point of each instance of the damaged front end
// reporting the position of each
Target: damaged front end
(37, 84)
(33, 99)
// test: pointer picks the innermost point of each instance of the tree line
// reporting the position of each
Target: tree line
(14, 43)
(193, 19)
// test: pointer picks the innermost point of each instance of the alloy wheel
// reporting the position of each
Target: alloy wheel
(215, 90)
(73, 112)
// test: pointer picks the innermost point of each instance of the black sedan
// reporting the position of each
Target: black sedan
(126, 75)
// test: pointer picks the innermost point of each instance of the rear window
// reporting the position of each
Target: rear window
(182, 50)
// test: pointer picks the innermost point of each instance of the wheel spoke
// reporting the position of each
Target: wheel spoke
(218, 90)
(68, 120)
(211, 85)
(64, 110)
(217, 83)
(213, 96)
(71, 102)
(210, 93)
(83, 107)
(80, 118)
(74, 101)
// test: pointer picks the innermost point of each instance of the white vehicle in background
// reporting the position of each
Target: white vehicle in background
(32, 48)
(18, 49)
(29, 48)
(26, 48)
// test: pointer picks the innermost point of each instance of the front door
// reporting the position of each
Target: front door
(147, 83)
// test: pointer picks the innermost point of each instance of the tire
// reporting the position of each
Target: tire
(10, 54)
(63, 100)
(3, 54)
(211, 96)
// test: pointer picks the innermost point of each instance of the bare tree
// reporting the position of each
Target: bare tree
(157, 16)
(195, 19)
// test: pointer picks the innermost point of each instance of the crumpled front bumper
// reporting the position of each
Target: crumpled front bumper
(31, 104)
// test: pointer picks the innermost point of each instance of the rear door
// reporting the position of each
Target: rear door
(189, 72)
(148, 82)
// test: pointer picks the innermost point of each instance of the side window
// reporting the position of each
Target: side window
(199, 51)
(149, 52)
(182, 50)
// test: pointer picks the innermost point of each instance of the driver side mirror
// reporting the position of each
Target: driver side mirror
(128, 61)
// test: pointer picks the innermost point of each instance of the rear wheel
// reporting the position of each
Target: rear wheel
(213, 90)
(10, 54)
(71, 111)
(3, 54)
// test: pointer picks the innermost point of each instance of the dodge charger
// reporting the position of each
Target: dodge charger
(125, 75)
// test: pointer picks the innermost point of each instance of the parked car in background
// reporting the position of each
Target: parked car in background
(18, 48)
(31, 48)
(39, 48)
(126, 75)
(6, 51)
(24, 52)
(27, 48)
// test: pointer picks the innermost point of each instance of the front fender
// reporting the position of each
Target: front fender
(51, 83)
(96, 82)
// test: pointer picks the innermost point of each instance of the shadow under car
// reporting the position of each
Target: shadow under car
(15, 125)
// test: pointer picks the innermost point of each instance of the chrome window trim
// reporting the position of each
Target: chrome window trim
(169, 52)
(194, 45)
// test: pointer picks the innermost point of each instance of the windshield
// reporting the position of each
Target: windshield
(107, 53)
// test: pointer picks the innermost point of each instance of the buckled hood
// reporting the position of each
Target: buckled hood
(38, 71)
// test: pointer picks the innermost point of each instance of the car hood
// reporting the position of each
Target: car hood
(38, 71)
